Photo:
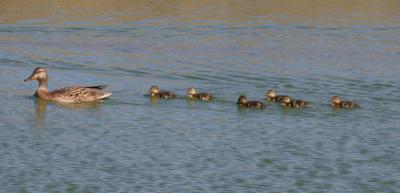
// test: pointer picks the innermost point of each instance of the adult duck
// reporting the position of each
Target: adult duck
(71, 94)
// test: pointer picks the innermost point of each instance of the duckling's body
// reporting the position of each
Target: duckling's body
(336, 102)
(191, 92)
(272, 96)
(166, 95)
(288, 102)
(155, 92)
(242, 102)
(296, 104)
(72, 94)
(277, 98)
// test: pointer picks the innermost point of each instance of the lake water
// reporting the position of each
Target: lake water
(129, 143)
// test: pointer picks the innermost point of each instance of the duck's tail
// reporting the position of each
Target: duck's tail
(106, 95)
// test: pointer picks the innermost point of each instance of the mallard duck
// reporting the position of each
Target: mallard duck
(242, 101)
(288, 102)
(191, 92)
(155, 92)
(337, 103)
(72, 94)
(272, 96)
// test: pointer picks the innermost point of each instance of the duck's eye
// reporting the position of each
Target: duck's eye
(40, 70)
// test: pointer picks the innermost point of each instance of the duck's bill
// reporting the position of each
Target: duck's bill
(30, 78)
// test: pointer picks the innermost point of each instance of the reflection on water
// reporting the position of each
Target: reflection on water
(153, 100)
(41, 108)
(191, 102)
(42, 104)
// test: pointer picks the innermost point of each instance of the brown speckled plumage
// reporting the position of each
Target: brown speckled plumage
(242, 101)
(271, 95)
(191, 92)
(336, 102)
(155, 92)
(72, 94)
(288, 102)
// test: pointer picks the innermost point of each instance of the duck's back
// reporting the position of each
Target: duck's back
(279, 98)
(204, 96)
(166, 95)
(75, 94)
(299, 103)
(348, 104)
(255, 105)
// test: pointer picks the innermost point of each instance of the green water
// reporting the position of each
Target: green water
(130, 143)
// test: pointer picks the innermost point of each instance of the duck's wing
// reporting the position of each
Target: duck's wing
(166, 95)
(348, 104)
(301, 103)
(79, 94)
(279, 98)
(255, 105)
(99, 87)
(204, 96)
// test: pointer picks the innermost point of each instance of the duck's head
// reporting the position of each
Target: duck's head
(286, 99)
(335, 99)
(191, 91)
(271, 93)
(154, 90)
(39, 74)
(242, 100)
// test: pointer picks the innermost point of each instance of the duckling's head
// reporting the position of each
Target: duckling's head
(242, 100)
(154, 90)
(191, 91)
(335, 99)
(40, 74)
(286, 99)
(271, 93)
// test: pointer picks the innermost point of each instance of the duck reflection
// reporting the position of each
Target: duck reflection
(42, 104)
(153, 100)
(190, 102)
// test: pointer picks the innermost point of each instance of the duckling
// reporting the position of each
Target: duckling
(242, 101)
(288, 102)
(272, 96)
(337, 103)
(72, 94)
(191, 92)
(155, 92)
